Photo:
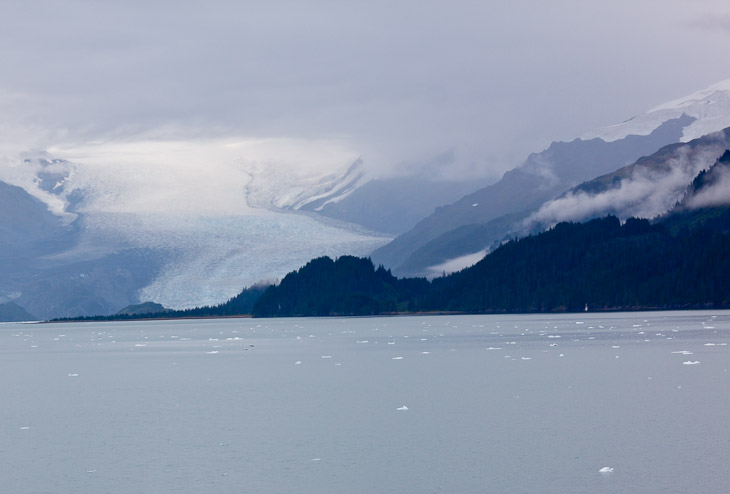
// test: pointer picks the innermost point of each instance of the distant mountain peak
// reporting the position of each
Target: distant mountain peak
(709, 107)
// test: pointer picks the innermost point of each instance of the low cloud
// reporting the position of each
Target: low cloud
(715, 194)
(646, 193)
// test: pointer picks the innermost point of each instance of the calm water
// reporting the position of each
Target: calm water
(502, 404)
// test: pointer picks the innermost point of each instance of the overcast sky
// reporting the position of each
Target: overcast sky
(394, 82)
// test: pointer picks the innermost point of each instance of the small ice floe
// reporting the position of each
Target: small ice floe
(25, 428)
(525, 358)
(710, 344)
(72, 374)
(402, 408)
(561, 355)
(553, 344)
(684, 352)
(298, 362)
(212, 352)
(140, 344)
(425, 353)
(579, 322)
(606, 470)
(326, 356)
(553, 336)
(316, 459)
(397, 358)
(391, 343)
(493, 348)
(691, 362)
(475, 204)
(615, 346)
(361, 341)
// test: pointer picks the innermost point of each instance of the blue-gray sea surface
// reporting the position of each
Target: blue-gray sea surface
(434, 404)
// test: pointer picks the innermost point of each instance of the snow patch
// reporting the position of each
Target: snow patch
(710, 107)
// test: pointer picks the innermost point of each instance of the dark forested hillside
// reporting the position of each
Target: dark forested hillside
(347, 286)
(601, 263)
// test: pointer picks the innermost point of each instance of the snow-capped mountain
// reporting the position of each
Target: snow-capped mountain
(297, 189)
(475, 222)
(709, 107)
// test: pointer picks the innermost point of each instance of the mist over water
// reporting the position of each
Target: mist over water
(458, 404)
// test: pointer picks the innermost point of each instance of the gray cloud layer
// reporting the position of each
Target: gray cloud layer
(400, 82)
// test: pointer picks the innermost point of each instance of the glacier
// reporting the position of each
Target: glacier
(213, 220)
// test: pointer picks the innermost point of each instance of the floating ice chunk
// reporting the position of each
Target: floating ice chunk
(709, 344)
(326, 356)
(425, 353)
(402, 408)
(606, 470)
(212, 352)
(391, 343)
(140, 344)
(561, 355)
(691, 362)
(579, 322)
(397, 358)
(615, 346)
(494, 348)
(298, 362)
(526, 358)
(684, 352)
(25, 428)
(553, 344)
(73, 374)
(316, 459)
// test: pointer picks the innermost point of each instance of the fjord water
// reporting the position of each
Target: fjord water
(452, 404)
